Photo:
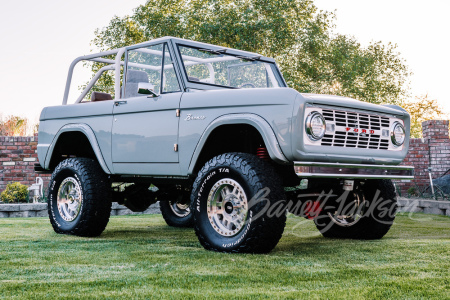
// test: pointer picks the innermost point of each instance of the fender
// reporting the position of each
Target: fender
(254, 120)
(89, 133)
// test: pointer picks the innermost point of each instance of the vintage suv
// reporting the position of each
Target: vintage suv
(219, 139)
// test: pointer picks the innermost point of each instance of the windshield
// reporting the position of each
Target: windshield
(218, 68)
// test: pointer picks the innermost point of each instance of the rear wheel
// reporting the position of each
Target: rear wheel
(238, 204)
(367, 213)
(176, 211)
(79, 198)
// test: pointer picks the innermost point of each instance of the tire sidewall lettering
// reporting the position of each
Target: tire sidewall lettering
(202, 187)
(206, 183)
(247, 228)
(62, 174)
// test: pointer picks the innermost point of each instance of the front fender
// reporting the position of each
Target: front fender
(89, 133)
(260, 124)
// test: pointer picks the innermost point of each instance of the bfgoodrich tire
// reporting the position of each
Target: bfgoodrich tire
(372, 219)
(79, 198)
(238, 204)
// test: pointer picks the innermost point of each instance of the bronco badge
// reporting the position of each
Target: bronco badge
(190, 117)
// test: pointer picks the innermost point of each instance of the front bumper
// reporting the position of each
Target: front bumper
(352, 171)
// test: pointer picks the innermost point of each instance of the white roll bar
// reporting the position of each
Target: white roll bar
(117, 78)
(77, 60)
(93, 81)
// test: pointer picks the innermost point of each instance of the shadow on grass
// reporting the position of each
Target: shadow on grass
(147, 232)
(300, 235)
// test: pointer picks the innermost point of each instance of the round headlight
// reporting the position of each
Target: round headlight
(398, 134)
(315, 126)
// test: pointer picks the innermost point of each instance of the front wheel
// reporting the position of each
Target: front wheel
(368, 212)
(238, 204)
(79, 198)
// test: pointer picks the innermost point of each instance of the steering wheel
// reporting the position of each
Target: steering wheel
(248, 84)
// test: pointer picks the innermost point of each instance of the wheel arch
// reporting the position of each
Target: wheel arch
(250, 121)
(77, 139)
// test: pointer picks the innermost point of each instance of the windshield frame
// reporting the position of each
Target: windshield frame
(228, 51)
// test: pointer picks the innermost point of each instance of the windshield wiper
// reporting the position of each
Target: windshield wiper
(217, 52)
(223, 51)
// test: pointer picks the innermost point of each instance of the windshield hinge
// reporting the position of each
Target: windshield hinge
(249, 58)
(178, 112)
(175, 147)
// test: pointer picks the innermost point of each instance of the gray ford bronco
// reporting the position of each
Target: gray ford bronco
(216, 136)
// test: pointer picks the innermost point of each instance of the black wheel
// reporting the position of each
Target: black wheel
(177, 212)
(238, 204)
(367, 213)
(79, 198)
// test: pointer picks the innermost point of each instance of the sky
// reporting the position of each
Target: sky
(39, 40)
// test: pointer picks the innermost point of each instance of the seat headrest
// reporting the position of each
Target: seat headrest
(137, 76)
(99, 96)
(192, 78)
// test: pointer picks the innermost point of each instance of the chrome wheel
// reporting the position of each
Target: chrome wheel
(227, 207)
(351, 213)
(179, 209)
(69, 199)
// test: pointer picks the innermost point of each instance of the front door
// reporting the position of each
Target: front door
(145, 129)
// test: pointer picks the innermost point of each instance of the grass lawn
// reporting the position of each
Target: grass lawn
(141, 257)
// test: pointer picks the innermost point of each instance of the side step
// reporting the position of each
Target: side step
(40, 170)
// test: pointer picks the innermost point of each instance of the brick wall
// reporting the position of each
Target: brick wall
(433, 150)
(17, 158)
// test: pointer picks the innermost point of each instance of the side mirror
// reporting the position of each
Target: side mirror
(146, 89)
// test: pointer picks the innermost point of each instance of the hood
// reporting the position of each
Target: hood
(345, 102)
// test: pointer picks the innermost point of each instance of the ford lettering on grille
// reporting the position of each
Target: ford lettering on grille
(359, 130)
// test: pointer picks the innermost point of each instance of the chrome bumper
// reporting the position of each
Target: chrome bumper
(353, 171)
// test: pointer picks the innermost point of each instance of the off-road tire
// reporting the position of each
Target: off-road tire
(95, 208)
(171, 218)
(259, 234)
(375, 223)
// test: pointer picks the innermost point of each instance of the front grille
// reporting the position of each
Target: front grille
(345, 124)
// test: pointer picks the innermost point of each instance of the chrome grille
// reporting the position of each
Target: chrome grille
(342, 137)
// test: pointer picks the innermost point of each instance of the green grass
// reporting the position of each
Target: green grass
(141, 257)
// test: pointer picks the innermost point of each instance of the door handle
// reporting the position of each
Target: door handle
(117, 103)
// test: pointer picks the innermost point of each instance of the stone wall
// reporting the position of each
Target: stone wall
(424, 206)
(26, 210)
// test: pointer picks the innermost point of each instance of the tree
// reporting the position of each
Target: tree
(312, 58)
(421, 109)
(13, 126)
